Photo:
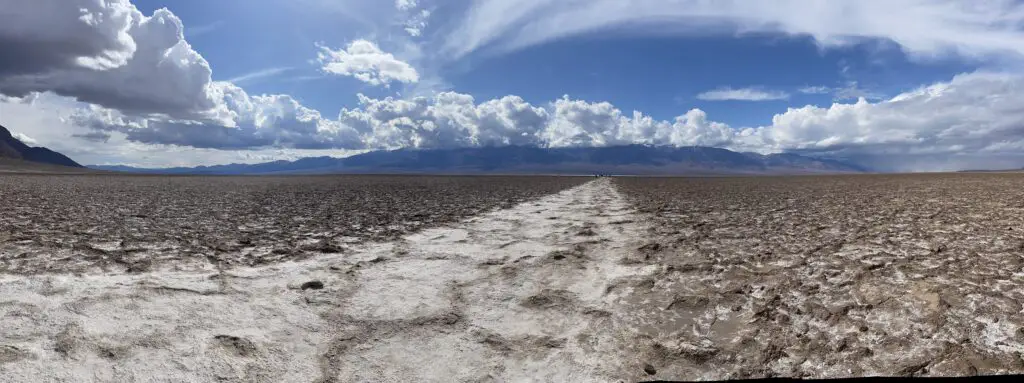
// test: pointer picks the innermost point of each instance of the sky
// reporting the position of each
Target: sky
(898, 85)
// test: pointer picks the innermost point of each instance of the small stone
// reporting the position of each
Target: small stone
(314, 285)
(864, 352)
(863, 328)
(649, 369)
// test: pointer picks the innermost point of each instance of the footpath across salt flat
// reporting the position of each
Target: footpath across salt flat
(518, 294)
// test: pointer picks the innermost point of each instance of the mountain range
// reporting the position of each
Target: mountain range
(623, 160)
(13, 150)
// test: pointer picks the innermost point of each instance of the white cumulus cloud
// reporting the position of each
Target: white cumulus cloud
(971, 121)
(365, 61)
(106, 53)
(242, 122)
(100, 80)
(25, 139)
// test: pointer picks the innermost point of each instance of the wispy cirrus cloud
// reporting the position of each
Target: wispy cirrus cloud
(259, 75)
(742, 94)
(820, 89)
(199, 30)
(853, 91)
(922, 28)
(849, 91)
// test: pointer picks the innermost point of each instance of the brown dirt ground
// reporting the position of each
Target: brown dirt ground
(833, 275)
(135, 223)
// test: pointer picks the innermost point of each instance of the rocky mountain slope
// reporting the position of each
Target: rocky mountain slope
(13, 149)
(631, 159)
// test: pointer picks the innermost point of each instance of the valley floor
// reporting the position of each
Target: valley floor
(518, 294)
(593, 283)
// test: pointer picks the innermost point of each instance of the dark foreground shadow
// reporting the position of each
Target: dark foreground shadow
(996, 378)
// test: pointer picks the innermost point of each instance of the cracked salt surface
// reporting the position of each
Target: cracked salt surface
(525, 293)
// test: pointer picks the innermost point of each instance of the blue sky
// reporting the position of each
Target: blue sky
(909, 84)
(659, 75)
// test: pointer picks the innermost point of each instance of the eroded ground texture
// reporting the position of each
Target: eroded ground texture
(139, 223)
(511, 279)
(833, 276)
(523, 293)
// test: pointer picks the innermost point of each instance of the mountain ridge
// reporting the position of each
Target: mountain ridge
(624, 160)
(13, 149)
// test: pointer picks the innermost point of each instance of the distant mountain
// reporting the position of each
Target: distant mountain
(13, 149)
(632, 160)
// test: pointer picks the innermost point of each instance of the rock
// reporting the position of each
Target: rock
(688, 302)
(68, 340)
(236, 345)
(772, 353)
(912, 368)
(10, 354)
(843, 345)
(696, 353)
(549, 299)
(312, 285)
(864, 352)
(649, 369)
(650, 247)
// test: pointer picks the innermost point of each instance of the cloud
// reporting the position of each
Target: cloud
(815, 90)
(245, 122)
(112, 83)
(25, 139)
(405, 5)
(849, 91)
(577, 123)
(852, 91)
(417, 22)
(91, 35)
(193, 32)
(47, 117)
(365, 61)
(93, 136)
(922, 28)
(110, 69)
(106, 53)
(445, 120)
(971, 121)
(742, 94)
(258, 75)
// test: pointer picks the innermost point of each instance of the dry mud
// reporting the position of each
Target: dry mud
(611, 280)
(135, 224)
(907, 275)
(526, 293)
